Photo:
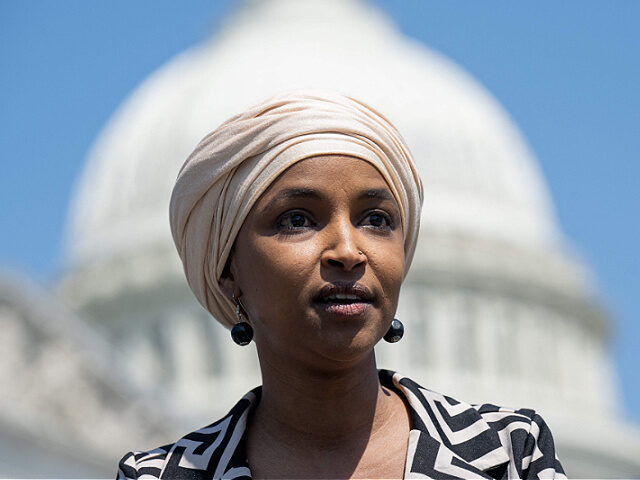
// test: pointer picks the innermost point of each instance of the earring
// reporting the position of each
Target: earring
(395, 332)
(241, 333)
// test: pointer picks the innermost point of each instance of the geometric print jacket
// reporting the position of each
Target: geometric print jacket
(448, 439)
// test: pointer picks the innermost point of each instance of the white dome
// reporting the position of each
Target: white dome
(480, 178)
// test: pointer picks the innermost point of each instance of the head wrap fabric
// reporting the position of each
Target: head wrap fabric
(233, 165)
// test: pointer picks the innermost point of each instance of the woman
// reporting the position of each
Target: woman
(296, 222)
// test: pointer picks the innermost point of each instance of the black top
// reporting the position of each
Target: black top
(448, 439)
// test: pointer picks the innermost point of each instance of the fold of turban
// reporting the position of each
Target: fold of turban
(233, 165)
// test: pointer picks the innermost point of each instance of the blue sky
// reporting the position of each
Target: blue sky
(567, 72)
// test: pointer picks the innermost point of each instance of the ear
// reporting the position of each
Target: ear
(227, 281)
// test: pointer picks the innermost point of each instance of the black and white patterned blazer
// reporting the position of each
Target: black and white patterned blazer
(448, 439)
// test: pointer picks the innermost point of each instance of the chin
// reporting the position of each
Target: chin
(345, 349)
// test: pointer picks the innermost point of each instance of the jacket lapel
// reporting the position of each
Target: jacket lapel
(216, 451)
(448, 439)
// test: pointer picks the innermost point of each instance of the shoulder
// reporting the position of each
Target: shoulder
(527, 438)
(136, 464)
(214, 451)
(486, 436)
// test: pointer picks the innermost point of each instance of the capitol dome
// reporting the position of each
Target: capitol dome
(479, 174)
(497, 305)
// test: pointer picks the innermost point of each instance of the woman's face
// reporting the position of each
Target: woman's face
(319, 262)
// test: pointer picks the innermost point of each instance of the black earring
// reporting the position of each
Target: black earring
(241, 333)
(395, 332)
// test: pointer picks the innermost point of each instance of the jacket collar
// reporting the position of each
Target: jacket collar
(448, 437)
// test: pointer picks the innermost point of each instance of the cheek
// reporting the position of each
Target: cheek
(274, 273)
(389, 266)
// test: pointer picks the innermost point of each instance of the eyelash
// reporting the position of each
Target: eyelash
(386, 218)
(289, 215)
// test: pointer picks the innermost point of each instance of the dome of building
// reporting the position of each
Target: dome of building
(497, 306)
(480, 177)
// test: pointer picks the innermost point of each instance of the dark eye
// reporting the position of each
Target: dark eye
(378, 220)
(293, 220)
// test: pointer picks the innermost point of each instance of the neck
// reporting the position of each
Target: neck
(327, 410)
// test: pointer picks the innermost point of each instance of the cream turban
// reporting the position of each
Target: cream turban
(233, 165)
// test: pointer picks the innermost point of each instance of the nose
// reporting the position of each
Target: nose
(342, 251)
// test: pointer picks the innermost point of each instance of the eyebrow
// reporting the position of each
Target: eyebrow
(298, 193)
(292, 193)
(378, 193)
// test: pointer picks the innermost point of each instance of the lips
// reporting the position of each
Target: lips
(344, 298)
